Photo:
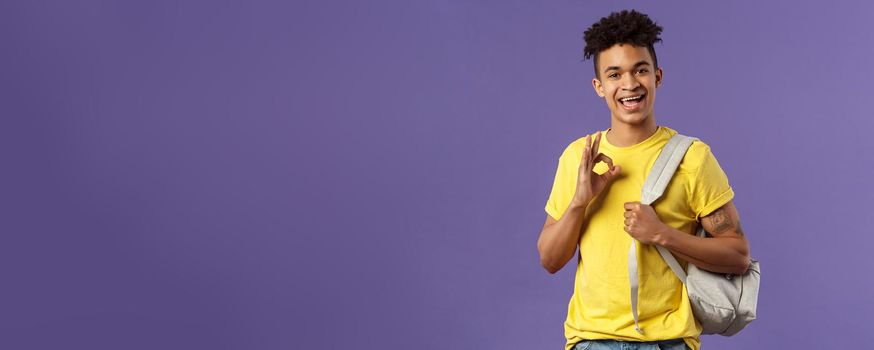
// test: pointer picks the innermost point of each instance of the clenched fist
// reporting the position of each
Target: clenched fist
(642, 223)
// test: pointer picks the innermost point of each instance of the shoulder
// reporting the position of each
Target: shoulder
(697, 155)
(698, 152)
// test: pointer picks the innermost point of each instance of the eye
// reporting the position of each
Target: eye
(613, 75)
(643, 70)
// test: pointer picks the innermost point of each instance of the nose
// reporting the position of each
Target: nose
(629, 82)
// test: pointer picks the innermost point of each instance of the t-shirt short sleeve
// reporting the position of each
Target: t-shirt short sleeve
(710, 188)
(564, 185)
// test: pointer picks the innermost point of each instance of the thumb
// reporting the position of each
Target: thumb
(612, 173)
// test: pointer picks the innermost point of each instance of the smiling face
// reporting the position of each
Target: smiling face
(627, 81)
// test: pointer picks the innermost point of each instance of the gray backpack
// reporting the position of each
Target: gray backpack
(722, 303)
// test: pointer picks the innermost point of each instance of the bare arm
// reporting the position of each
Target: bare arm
(726, 252)
(558, 239)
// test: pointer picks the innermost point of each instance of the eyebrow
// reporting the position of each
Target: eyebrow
(638, 64)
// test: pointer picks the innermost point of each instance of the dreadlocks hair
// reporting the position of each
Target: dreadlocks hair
(625, 27)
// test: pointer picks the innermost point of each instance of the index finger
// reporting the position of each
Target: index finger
(605, 158)
(631, 205)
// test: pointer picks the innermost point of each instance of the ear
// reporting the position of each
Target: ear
(599, 89)
(659, 76)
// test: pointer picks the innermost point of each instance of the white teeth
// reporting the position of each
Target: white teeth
(630, 98)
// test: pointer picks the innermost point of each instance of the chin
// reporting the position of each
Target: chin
(631, 119)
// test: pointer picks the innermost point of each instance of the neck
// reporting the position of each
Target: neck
(625, 135)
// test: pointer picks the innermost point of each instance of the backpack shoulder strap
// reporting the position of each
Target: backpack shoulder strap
(656, 182)
(664, 167)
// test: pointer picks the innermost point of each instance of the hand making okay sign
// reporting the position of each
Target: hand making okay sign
(589, 183)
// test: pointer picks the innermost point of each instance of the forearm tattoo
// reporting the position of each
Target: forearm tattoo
(720, 221)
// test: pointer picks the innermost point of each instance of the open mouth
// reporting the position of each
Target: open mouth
(632, 102)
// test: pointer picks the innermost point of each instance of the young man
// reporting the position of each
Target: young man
(594, 203)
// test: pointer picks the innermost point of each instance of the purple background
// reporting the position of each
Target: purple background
(372, 175)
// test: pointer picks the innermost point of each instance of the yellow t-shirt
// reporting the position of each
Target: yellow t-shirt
(600, 307)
